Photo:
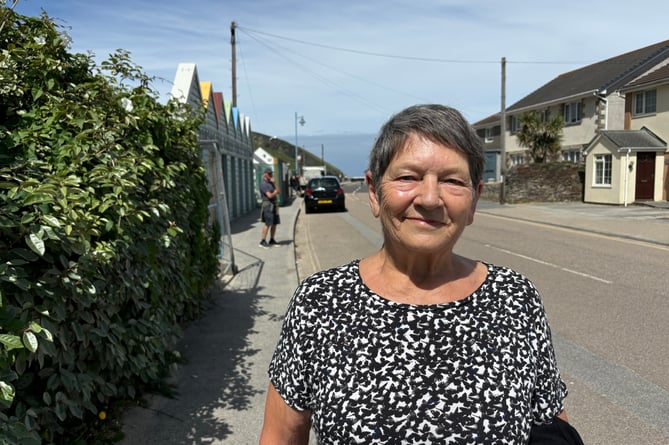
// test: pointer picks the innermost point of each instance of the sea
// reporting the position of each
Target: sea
(348, 152)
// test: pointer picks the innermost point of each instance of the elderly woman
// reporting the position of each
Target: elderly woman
(416, 344)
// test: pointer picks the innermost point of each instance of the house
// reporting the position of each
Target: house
(489, 130)
(647, 105)
(621, 166)
(605, 96)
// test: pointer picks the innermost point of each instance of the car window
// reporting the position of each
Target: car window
(323, 182)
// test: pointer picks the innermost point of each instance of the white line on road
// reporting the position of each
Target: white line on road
(546, 263)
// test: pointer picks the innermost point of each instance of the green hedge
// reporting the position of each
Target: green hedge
(105, 250)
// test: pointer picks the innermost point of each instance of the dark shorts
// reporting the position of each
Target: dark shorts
(269, 216)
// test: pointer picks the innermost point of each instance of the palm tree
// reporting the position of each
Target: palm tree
(542, 137)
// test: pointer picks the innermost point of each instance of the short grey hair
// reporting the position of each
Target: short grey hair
(438, 123)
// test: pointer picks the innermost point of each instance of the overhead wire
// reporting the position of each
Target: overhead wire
(320, 77)
(362, 79)
(248, 84)
(404, 57)
(259, 36)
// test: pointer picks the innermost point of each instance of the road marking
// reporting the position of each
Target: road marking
(310, 253)
(580, 231)
(546, 263)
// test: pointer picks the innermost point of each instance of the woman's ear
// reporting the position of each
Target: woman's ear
(373, 198)
(475, 199)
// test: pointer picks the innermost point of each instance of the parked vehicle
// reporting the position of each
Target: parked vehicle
(313, 172)
(307, 174)
(324, 192)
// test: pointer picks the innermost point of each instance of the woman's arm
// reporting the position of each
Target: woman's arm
(283, 424)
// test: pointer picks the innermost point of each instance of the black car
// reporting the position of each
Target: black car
(324, 192)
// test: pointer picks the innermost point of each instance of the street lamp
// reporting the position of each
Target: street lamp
(301, 122)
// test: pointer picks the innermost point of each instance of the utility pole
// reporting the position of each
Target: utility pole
(233, 41)
(325, 169)
(502, 136)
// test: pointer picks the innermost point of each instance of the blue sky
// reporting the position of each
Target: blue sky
(347, 65)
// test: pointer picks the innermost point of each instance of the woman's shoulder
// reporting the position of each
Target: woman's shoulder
(327, 290)
(327, 280)
(501, 271)
(506, 280)
(333, 274)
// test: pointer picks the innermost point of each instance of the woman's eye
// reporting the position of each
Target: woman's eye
(454, 181)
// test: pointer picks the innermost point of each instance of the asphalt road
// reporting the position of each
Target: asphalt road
(605, 297)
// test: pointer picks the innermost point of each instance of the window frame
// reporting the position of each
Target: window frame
(572, 112)
(643, 108)
(489, 131)
(573, 156)
(517, 159)
(602, 170)
(545, 115)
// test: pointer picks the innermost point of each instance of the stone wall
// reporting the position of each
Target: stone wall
(551, 182)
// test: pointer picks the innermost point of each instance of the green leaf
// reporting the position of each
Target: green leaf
(51, 220)
(35, 327)
(30, 341)
(37, 198)
(37, 93)
(60, 412)
(6, 391)
(11, 341)
(36, 244)
(25, 254)
(47, 334)
(28, 218)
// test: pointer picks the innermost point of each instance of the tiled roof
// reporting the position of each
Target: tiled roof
(486, 121)
(205, 89)
(606, 76)
(660, 75)
(643, 138)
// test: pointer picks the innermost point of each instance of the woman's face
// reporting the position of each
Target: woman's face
(427, 198)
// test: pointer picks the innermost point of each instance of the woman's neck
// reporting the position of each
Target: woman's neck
(421, 279)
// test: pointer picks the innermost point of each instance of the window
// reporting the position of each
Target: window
(572, 112)
(545, 115)
(602, 170)
(488, 134)
(516, 159)
(645, 102)
(571, 156)
(515, 125)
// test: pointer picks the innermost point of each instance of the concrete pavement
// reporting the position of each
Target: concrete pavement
(220, 389)
(648, 223)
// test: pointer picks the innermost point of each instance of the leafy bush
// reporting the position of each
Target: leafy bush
(104, 244)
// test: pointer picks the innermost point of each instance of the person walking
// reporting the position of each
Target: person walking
(269, 211)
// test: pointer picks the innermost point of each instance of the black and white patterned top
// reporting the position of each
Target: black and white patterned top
(475, 371)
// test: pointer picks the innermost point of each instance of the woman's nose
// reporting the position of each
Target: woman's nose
(428, 193)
